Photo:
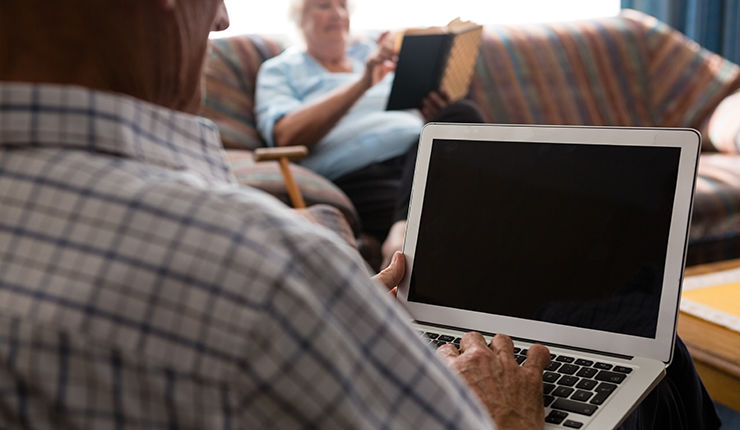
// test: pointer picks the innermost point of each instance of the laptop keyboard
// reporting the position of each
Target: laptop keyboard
(573, 387)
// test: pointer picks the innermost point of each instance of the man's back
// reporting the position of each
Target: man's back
(140, 287)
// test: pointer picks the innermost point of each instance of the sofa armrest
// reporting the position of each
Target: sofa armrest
(686, 82)
(266, 176)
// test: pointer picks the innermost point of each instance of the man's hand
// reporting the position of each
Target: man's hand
(512, 393)
(433, 103)
(392, 275)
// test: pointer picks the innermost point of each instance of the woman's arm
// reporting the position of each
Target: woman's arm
(308, 124)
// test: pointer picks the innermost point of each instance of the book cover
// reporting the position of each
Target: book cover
(434, 58)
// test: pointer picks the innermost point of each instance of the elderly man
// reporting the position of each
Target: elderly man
(139, 287)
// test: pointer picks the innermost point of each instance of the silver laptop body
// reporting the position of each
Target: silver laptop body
(573, 237)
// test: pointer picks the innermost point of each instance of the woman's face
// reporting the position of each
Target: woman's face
(324, 21)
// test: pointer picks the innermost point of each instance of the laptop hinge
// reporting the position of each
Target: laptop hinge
(575, 348)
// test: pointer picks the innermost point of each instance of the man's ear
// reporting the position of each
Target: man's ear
(167, 4)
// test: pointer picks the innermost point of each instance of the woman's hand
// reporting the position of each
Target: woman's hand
(381, 61)
(433, 103)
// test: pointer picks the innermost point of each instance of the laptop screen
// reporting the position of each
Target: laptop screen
(571, 234)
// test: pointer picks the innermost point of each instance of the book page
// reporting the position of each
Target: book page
(461, 62)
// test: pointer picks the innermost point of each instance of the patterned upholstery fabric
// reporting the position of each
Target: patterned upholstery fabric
(715, 223)
(629, 70)
(230, 75)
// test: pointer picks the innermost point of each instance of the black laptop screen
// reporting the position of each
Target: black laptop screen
(565, 233)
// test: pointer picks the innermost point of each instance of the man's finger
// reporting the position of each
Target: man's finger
(447, 353)
(503, 343)
(392, 275)
(472, 340)
(538, 356)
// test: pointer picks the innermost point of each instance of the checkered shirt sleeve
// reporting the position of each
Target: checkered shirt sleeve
(141, 288)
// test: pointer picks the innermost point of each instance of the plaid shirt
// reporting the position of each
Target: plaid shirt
(141, 288)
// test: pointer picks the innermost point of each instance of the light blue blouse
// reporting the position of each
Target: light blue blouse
(366, 134)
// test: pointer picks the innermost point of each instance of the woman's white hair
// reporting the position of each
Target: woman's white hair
(295, 10)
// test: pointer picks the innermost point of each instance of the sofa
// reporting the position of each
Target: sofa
(628, 70)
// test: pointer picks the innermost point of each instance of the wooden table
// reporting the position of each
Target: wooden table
(715, 349)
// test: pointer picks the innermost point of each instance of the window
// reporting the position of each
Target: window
(271, 17)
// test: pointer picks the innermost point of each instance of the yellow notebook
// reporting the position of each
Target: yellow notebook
(725, 298)
(714, 297)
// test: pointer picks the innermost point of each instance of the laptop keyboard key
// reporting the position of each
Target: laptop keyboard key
(605, 387)
(565, 359)
(568, 369)
(599, 398)
(446, 338)
(568, 381)
(582, 362)
(553, 366)
(562, 392)
(573, 406)
(622, 369)
(607, 376)
(587, 372)
(431, 335)
(550, 377)
(520, 359)
(587, 384)
(548, 387)
(603, 366)
(548, 399)
(581, 395)
(555, 417)
(572, 424)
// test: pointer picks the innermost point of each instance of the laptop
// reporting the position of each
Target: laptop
(572, 237)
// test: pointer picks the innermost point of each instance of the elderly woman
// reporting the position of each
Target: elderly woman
(330, 96)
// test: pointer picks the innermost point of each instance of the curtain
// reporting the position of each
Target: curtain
(712, 23)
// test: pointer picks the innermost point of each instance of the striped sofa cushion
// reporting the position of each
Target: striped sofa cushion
(686, 82)
(229, 78)
(580, 73)
(715, 223)
(629, 70)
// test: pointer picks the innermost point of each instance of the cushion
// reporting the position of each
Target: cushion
(722, 128)
(715, 223)
(686, 82)
(266, 176)
(330, 218)
(229, 78)
(589, 72)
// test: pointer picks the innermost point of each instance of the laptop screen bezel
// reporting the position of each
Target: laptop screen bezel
(659, 348)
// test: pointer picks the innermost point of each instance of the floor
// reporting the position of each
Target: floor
(730, 418)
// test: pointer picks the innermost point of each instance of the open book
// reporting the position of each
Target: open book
(434, 58)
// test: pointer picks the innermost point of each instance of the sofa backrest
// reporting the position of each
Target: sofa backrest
(629, 70)
(229, 76)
